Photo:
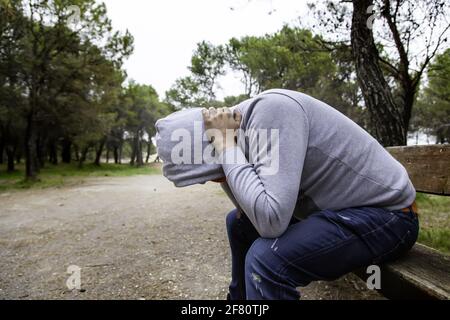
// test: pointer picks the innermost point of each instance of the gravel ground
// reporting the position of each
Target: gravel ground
(133, 238)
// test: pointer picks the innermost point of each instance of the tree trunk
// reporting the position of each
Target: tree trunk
(98, 152)
(107, 155)
(409, 92)
(139, 158)
(386, 121)
(66, 151)
(19, 156)
(10, 155)
(40, 148)
(53, 154)
(2, 147)
(136, 155)
(133, 153)
(31, 164)
(408, 84)
(77, 153)
(83, 157)
(149, 147)
(116, 155)
(120, 152)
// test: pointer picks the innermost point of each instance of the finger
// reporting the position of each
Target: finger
(212, 112)
(227, 111)
(237, 116)
(205, 113)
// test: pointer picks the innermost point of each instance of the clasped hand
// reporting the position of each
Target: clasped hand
(220, 127)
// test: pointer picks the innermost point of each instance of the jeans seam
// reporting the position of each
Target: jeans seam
(284, 267)
(394, 217)
(402, 241)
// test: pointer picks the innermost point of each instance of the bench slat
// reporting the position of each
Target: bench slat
(423, 273)
(428, 166)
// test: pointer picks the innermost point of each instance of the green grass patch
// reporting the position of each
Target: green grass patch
(434, 217)
(59, 175)
(436, 238)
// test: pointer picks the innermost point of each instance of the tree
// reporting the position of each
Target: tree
(12, 85)
(185, 93)
(389, 62)
(433, 108)
(385, 116)
(230, 101)
(60, 69)
(198, 89)
(207, 64)
(293, 58)
(143, 109)
(236, 56)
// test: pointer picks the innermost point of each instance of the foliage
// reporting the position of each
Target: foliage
(433, 107)
(291, 58)
(198, 89)
(65, 174)
(393, 42)
(62, 84)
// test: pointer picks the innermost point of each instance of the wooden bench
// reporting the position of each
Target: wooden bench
(423, 273)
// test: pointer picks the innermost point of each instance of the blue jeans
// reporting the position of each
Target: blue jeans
(324, 246)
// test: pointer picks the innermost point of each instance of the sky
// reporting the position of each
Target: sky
(166, 33)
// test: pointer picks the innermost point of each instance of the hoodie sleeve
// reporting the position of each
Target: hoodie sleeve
(267, 186)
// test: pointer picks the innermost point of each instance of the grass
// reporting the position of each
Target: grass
(62, 174)
(434, 217)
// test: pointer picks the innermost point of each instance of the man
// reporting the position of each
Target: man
(325, 199)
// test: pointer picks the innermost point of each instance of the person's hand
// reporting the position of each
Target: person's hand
(220, 126)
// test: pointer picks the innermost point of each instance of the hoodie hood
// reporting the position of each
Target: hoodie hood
(183, 148)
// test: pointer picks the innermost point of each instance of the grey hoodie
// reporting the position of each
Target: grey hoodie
(183, 175)
(326, 161)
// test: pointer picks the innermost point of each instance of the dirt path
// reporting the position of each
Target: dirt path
(133, 238)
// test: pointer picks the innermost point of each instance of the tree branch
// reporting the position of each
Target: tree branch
(429, 57)
(391, 21)
(395, 72)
